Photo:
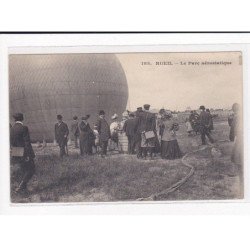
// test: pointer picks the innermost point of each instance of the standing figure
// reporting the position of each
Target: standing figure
(148, 132)
(138, 111)
(236, 126)
(189, 127)
(231, 125)
(61, 135)
(97, 140)
(211, 126)
(139, 128)
(85, 136)
(114, 127)
(130, 130)
(22, 152)
(75, 130)
(123, 139)
(205, 124)
(237, 152)
(194, 119)
(169, 145)
(104, 132)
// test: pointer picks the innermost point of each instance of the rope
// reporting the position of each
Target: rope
(183, 180)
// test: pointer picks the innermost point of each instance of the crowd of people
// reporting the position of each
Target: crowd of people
(194, 121)
(146, 134)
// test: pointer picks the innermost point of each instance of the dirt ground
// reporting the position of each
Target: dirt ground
(122, 177)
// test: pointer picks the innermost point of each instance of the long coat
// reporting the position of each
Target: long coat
(103, 129)
(205, 119)
(86, 138)
(75, 128)
(61, 133)
(130, 127)
(146, 122)
(19, 137)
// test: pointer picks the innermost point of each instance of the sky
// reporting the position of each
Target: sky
(183, 79)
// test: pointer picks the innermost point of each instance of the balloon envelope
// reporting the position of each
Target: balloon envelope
(42, 86)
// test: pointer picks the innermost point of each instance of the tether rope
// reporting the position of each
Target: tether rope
(183, 180)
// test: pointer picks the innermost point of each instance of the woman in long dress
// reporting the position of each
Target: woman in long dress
(169, 146)
(114, 127)
(85, 136)
(122, 137)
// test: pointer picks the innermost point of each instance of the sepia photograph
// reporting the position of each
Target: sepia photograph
(126, 127)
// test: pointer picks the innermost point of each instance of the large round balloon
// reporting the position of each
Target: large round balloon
(42, 86)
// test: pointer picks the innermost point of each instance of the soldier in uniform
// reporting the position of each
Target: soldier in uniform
(20, 139)
(205, 124)
(104, 132)
(75, 130)
(61, 135)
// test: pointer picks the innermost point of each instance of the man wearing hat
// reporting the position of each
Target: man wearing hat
(21, 151)
(61, 135)
(104, 132)
(138, 111)
(205, 124)
(75, 130)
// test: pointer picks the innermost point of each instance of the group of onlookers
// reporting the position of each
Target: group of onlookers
(193, 122)
(140, 132)
(88, 138)
(200, 123)
(146, 133)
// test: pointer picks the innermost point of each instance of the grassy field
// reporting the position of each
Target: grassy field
(121, 177)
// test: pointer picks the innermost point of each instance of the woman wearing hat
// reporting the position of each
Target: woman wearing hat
(122, 137)
(114, 127)
(85, 136)
(169, 145)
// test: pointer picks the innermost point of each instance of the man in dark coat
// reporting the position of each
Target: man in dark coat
(205, 124)
(20, 139)
(231, 125)
(104, 132)
(130, 130)
(211, 127)
(147, 123)
(138, 129)
(138, 111)
(75, 130)
(61, 135)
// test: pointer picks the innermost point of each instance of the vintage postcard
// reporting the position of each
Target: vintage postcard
(126, 127)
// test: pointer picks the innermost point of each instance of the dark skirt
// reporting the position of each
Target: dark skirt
(170, 150)
(85, 142)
